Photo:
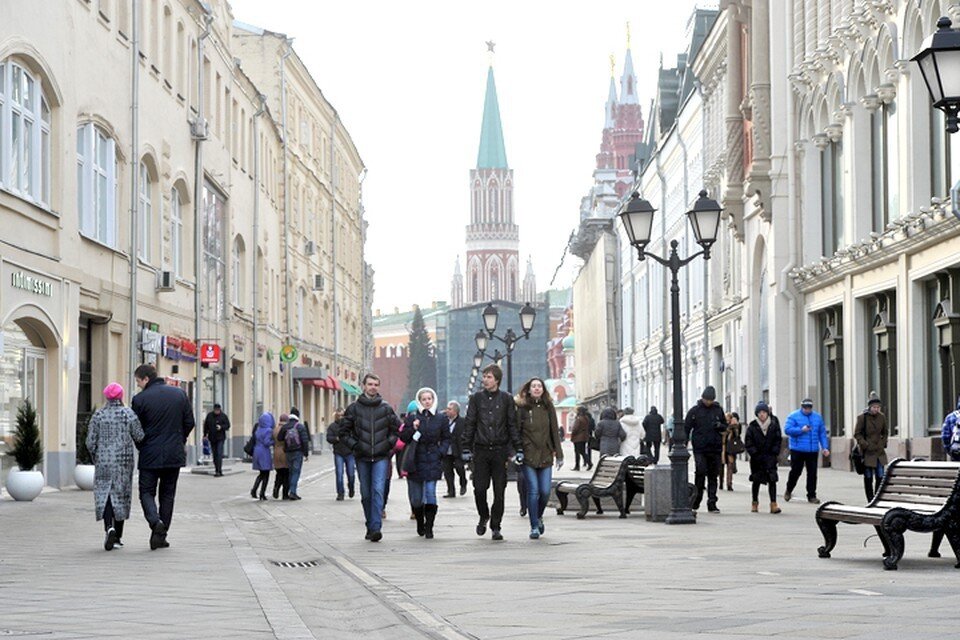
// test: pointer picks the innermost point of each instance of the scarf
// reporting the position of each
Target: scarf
(764, 426)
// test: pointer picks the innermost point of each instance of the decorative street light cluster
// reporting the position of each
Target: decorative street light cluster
(637, 218)
(491, 317)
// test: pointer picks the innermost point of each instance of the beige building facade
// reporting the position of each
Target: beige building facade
(76, 142)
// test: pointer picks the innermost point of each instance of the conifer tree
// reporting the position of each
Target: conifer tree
(423, 364)
(27, 449)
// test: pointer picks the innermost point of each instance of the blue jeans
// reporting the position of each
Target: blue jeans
(421, 493)
(350, 464)
(294, 462)
(538, 492)
(870, 472)
(373, 478)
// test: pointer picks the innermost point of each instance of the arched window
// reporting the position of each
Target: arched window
(24, 135)
(474, 286)
(176, 233)
(301, 303)
(492, 202)
(97, 184)
(145, 213)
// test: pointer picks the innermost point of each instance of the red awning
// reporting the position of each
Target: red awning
(333, 383)
(321, 384)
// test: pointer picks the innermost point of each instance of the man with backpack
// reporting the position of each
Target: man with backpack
(296, 443)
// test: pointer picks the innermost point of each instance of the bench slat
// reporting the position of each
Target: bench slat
(912, 481)
(913, 498)
(924, 473)
(893, 504)
(918, 490)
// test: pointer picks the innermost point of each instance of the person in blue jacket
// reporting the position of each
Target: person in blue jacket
(808, 437)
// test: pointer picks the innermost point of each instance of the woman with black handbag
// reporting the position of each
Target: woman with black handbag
(732, 446)
(871, 434)
(763, 443)
(427, 434)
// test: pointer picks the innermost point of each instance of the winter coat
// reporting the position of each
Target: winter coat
(807, 441)
(211, 424)
(455, 447)
(111, 435)
(167, 419)
(304, 447)
(581, 429)
(369, 427)
(652, 424)
(732, 432)
(634, 430)
(705, 426)
(279, 451)
(434, 439)
(764, 450)
(491, 421)
(340, 447)
(871, 434)
(946, 430)
(609, 433)
(263, 437)
(541, 436)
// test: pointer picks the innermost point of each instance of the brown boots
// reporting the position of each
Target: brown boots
(755, 507)
(774, 507)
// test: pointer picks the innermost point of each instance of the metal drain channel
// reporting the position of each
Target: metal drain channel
(296, 565)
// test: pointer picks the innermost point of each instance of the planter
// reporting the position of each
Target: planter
(24, 485)
(83, 476)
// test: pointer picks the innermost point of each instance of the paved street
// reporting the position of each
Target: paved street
(733, 575)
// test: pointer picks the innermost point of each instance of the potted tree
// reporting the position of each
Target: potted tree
(23, 482)
(84, 472)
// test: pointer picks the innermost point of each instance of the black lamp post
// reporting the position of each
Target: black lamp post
(939, 62)
(637, 218)
(491, 318)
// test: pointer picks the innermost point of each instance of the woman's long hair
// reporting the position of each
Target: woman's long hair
(526, 400)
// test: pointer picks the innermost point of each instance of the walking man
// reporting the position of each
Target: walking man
(215, 427)
(808, 437)
(489, 436)
(296, 442)
(342, 456)
(705, 424)
(370, 428)
(452, 457)
(652, 426)
(167, 419)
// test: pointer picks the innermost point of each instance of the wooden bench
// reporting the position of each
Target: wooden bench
(607, 481)
(634, 480)
(913, 496)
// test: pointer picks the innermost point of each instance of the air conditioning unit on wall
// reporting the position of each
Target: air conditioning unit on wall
(318, 282)
(165, 281)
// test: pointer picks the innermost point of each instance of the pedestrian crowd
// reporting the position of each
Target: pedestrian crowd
(429, 444)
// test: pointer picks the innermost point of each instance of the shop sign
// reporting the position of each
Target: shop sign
(238, 342)
(209, 353)
(151, 341)
(306, 360)
(188, 350)
(288, 353)
(171, 348)
(26, 282)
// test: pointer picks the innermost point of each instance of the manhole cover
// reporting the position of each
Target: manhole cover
(297, 565)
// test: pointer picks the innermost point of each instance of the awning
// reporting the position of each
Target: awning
(333, 384)
(350, 389)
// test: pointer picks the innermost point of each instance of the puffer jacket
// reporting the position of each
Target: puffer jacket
(609, 433)
(491, 421)
(541, 436)
(634, 429)
(581, 430)
(809, 441)
(764, 450)
(951, 422)
(340, 448)
(705, 426)
(370, 428)
(434, 439)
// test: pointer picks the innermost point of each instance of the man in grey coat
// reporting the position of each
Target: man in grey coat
(167, 420)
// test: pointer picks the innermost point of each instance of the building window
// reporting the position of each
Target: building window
(97, 169)
(939, 155)
(176, 233)
(145, 211)
(831, 178)
(213, 207)
(24, 135)
(883, 165)
(831, 380)
(492, 203)
(301, 303)
(474, 286)
(943, 353)
(881, 332)
(236, 283)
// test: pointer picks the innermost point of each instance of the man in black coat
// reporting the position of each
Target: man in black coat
(167, 420)
(705, 424)
(490, 433)
(370, 428)
(215, 427)
(652, 427)
(452, 457)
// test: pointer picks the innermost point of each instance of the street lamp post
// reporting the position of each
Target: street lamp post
(491, 318)
(637, 218)
(939, 62)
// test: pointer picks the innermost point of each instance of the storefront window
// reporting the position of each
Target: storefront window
(21, 378)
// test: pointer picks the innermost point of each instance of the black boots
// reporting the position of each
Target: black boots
(429, 515)
(868, 487)
(418, 513)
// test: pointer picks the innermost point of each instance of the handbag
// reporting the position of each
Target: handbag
(408, 463)
(735, 445)
(594, 443)
(251, 443)
(856, 459)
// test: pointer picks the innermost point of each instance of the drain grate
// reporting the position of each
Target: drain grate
(297, 565)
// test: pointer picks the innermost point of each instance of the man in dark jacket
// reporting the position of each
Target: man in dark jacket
(342, 456)
(296, 444)
(215, 427)
(370, 428)
(490, 433)
(652, 428)
(705, 424)
(452, 457)
(167, 420)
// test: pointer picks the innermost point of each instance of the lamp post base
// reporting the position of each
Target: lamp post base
(680, 512)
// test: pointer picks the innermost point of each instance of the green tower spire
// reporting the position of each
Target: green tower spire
(493, 154)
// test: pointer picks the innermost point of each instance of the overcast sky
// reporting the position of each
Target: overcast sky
(408, 80)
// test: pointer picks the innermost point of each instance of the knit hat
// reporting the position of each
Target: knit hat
(806, 402)
(873, 399)
(412, 406)
(709, 394)
(761, 406)
(113, 391)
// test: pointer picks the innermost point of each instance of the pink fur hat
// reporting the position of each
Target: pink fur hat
(113, 391)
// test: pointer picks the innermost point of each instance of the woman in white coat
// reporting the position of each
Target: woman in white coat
(634, 429)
